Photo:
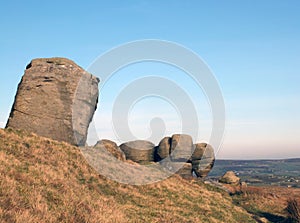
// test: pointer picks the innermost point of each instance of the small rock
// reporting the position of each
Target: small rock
(230, 178)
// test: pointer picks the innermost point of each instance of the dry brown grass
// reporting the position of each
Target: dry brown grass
(267, 201)
(293, 210)
(46, 181)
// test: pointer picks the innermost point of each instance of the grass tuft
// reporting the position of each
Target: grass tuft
(293, 210)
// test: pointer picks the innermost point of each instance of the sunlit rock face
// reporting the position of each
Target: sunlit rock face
(56, 99)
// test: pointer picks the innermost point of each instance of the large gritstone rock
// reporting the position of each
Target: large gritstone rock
(139, 151)
(181, 147)
(111, 147)
(203, 159)
(56, 99)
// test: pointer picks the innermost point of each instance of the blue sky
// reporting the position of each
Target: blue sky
(252, 47)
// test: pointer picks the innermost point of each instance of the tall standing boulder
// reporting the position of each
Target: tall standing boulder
(56, 99)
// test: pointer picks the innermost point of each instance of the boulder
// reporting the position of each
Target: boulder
(230, 178)
(140, 151)
(181, 147)
(163, 149)
(56, 99)
(199, 149)
(203, 159)
(112, 148)
(202, 173)
(185, 171)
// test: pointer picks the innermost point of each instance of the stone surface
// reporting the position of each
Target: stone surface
(56, 99)
(140, 151)
(164, 147)
(199, 149)
(185, 171)
(199, 158)
(202, 165)
(181, 168)
(230, 178)
(112, 148)
(181, 147)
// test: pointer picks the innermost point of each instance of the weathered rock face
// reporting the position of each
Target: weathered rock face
(139, 151)
(230, 178)
(112, 148)
(198, 158)
(56, 99)
(185, 171)
(164, 148)
(199, 149)
(203, 159)
(181, 147)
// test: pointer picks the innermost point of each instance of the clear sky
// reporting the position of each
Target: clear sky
(252, 47)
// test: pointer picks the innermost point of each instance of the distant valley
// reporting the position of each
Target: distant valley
(283, 172)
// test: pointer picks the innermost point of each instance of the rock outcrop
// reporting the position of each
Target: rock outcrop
(230, 178)
(140, 151)
(112, 148)
(56, 99)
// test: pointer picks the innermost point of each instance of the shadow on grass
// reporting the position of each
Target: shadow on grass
(272, 217)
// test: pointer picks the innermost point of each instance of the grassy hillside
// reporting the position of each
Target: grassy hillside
(268, 202)
(46, 181)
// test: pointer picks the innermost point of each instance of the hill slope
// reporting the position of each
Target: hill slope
(46, 181)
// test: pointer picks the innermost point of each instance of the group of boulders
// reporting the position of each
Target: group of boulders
(197, 159)
(57, 99)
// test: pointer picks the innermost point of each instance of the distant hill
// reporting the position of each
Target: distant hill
(42, 180)
(285, 172)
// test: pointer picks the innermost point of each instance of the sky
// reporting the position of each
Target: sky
(252, 48)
